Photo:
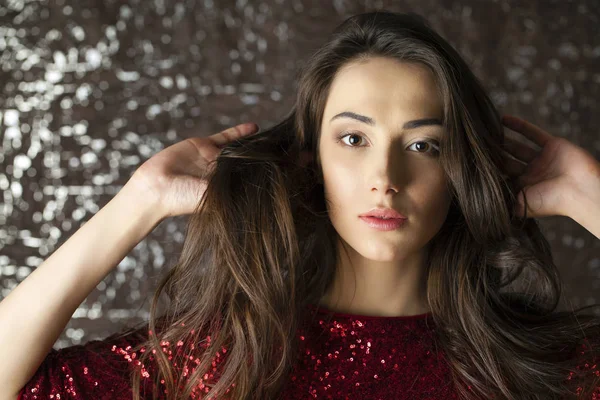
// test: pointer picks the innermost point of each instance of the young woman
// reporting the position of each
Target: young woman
(291, 286)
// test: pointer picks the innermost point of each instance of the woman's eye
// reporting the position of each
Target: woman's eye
(433, 144)
(343, 136)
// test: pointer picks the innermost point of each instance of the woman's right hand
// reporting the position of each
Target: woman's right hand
(175, 177)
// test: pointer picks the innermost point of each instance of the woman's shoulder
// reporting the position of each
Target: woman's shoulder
(98, 369)
(586, 375)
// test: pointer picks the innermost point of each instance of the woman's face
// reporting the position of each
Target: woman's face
(386, 161)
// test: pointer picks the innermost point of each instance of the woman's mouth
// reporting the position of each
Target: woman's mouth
(384, 224)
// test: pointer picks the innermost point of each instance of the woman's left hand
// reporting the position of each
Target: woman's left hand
(555, 177)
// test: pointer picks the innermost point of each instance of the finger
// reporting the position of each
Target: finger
(532, 132)
(233, 133)
(519, 150)
(533, 204)
(513, 168)
(519, 207)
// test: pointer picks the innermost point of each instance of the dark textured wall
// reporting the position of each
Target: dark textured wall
(91, 89)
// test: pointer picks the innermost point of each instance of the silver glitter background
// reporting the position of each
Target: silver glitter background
(92, 89)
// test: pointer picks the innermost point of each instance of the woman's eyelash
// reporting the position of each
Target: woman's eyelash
(342, 135)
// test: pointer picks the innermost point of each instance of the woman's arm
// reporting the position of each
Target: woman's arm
(36, 312)
(585, 207)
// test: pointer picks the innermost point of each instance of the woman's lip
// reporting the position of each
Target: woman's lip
(383, 212)
(374, 216)
(383, 224)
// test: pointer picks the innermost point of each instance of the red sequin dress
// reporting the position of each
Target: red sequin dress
(342, 357)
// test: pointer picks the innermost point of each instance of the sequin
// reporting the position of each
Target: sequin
(587, 368)
(341, 356)
(358, 357)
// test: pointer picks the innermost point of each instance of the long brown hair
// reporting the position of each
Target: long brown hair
(260, 248)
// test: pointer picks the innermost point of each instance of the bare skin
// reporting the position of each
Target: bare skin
(388, 165)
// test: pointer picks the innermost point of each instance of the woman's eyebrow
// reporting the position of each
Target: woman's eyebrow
(417, 123)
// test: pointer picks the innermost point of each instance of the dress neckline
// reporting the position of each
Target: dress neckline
(325, 310)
